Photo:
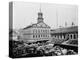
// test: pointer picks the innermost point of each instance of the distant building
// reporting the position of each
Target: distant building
(65, 34)
(36, 32)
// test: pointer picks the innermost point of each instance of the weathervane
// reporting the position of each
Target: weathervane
(40, 7)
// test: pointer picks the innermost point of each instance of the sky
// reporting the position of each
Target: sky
(55, 15)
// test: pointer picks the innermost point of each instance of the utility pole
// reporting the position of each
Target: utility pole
(73, 24)
(65, 24)
(56, 17)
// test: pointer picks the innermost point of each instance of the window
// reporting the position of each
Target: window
(58, 36)
(41, 30)
(33, 31)
(39, 36)
(38, 31)
(43, 35)
(36, 36)
(64, 36)
(33, 36)
(74, 36)
(46, 35)
(77, 36)
(71, 36)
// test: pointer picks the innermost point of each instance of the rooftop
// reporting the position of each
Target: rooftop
(38, 25)
(65, 30)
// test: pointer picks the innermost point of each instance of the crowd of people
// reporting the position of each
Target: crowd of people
(39, 49)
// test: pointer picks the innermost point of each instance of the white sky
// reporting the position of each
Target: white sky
(25, 14)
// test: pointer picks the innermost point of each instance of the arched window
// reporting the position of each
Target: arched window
(71, 36)
(39, 36)
(46, 31)
(55, 36)
(46, 35)
(36, 31)
(63, 36)
(41, 30)
(74, 36)
(33, 31)
(43, 35)
(33, 36)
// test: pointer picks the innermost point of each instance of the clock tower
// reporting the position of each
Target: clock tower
(40, 16)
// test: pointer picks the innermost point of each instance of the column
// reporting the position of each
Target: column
(59, 37)
(69, 36)
(62, 37)
(76, 35)
(72, 36)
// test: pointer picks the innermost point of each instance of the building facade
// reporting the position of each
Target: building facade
(36, 32)
(65, 34)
